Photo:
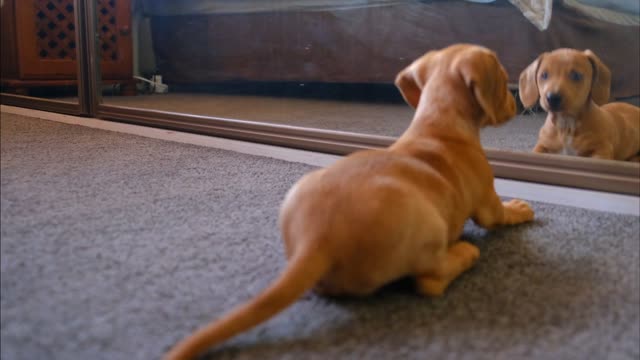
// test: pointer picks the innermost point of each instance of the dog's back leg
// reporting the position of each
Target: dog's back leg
(458, 258)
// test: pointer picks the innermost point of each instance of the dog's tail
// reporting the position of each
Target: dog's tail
(302, 272)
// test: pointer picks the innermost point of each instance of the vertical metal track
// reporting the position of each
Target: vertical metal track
(89, 78)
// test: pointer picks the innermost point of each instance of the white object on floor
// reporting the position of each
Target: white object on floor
(156, 82)
(586, 199)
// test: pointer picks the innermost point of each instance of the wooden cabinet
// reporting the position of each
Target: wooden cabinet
(39, 44)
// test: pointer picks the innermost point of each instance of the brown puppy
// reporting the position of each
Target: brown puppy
(573, 86)
(380, 215)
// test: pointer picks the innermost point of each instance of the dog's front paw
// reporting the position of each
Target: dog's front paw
(517, 211)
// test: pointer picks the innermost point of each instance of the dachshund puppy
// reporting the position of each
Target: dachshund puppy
(573, 87)
(379, 215)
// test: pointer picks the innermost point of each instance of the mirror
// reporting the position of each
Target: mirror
(39, 49)
(330, 65)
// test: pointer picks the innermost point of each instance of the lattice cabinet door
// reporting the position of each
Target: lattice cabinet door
(114, 29)
(41, 44)
(46, 39)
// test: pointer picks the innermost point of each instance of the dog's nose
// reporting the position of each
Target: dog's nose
(554, 100)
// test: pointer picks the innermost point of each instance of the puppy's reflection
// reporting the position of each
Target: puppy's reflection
(573, 87)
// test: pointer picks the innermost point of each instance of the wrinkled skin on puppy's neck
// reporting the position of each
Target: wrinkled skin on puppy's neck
(566, 124)
(570, 123)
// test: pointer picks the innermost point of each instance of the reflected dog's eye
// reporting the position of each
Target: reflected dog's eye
(544, 75)
(575, 76)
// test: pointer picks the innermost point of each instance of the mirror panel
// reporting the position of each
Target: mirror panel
(330, 65)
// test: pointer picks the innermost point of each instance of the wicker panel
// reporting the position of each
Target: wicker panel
(55, 29)
(107, 28)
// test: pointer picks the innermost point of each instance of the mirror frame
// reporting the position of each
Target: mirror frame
(602, 175)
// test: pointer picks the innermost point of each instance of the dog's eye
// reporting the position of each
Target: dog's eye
(544, 75)
(575, 76)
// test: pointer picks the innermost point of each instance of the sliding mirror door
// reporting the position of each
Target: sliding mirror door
(319, 74)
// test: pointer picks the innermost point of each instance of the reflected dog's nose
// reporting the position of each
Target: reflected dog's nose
(554, 100)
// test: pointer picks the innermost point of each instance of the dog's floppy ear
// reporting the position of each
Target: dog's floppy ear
(408, 83)
(487, 81)
(528, 83)
(601, 81)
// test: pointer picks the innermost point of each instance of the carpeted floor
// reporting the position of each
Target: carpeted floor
(115, 246)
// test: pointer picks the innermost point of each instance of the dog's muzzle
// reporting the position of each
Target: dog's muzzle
(554, 100)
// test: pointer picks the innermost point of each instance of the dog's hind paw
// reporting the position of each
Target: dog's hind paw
(460, 258)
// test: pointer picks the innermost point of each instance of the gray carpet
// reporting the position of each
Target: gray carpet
(115, 246)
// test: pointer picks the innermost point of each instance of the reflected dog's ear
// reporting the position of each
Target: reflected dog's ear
(528, 83)
(409, 86)
(601, 79)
